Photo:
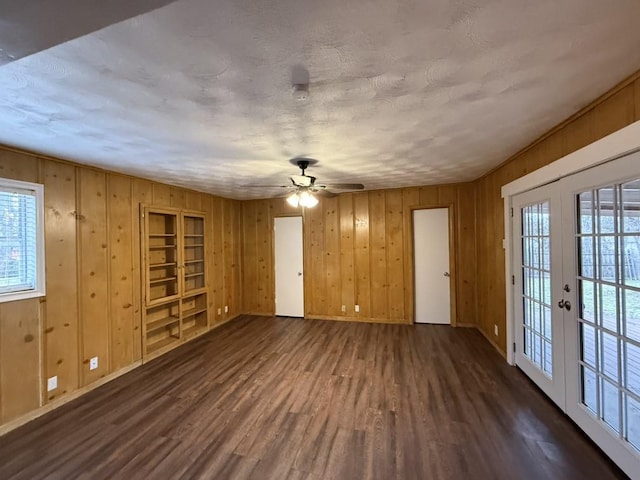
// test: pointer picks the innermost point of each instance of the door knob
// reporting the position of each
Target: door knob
(299, 274)
(561, 303)
(567, 305)
(446, 274)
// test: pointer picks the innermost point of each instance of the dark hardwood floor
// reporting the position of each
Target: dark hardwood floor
(278, 398)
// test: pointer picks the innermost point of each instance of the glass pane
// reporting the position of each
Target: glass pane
(631, 207)
(547, 323)
(606, 219)
(589, 395)
(632, 314)
(587, 258)
(527, 342)
(608, 307)
(606, 258)
(588, 307)
(548, 357)
(537, 350)
(611, 406)
(588, 345)
(631, 256)
(610, 356)
(585, 209)
(632, 367)
(633, 422)
(546, 288)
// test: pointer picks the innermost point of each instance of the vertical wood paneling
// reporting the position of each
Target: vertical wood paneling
(347, 272)
(466, 254)
(19, 358)
(194, 200)
(361, 254)
(121, 271)
(395, 255)
(378, 254)
(332, 274)
(227, 254)
(216, 260)
(61, 323)
(315, 300)
(161, 195)
(177, 196)
(16, 166)
(94, 301)
(410, 198)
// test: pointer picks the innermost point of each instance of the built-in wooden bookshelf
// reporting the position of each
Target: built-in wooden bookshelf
(175, 280)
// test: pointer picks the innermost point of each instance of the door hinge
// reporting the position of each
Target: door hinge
(514, 347)
(513, 279)
(512, 212)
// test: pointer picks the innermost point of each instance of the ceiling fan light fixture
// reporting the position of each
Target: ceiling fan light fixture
(307, 200)
(293, 199)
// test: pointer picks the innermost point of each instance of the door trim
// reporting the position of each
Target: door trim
(452, 259)
(621, 143)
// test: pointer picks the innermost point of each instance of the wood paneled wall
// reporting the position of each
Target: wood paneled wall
(358, 250)
(93, 303)
(613, 111)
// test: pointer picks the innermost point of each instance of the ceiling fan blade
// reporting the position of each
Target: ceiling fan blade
(324, 193)
(268, 186)
(345, 186)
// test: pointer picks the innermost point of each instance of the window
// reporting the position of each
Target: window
(21, 240)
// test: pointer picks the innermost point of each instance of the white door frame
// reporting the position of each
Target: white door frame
(452, 258)
(446, 273)
(618, 144)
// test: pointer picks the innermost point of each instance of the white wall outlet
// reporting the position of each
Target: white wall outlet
(93, 363)
(226, 309)
(219, 311)
(52, 383)
(357, 308)
(344, 309)
(495, 330)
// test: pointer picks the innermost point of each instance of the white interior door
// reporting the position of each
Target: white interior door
(289, 266)
(576, 259)
(431, 265)
(537, 247)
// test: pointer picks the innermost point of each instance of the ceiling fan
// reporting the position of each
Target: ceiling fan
(303, 186)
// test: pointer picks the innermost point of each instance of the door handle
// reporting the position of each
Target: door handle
(299, 274)
(446, 274)
(566, 304)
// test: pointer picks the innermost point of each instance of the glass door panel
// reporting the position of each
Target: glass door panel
(537, 280)
(601, 264)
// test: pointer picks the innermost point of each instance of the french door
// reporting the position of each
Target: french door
(576, 245)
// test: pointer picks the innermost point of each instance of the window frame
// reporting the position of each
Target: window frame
(40, 288)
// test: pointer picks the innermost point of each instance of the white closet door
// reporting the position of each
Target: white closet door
(289, 266)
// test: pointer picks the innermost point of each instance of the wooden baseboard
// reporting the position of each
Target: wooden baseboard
(358, 319)
(492, 342)
(48, 407)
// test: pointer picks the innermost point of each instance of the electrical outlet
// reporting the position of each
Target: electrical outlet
(344, 309)
(357, 308)
(495, 330)
(93, 363)
(219, 311)
(52, 383)
(226, 309)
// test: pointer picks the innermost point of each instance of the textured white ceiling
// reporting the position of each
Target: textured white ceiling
(198, 93)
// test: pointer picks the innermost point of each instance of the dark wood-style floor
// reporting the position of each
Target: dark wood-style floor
(276, 398)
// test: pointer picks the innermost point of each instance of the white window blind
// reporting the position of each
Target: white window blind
(18, 240)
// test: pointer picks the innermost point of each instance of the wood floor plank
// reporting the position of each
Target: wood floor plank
(279, 398)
